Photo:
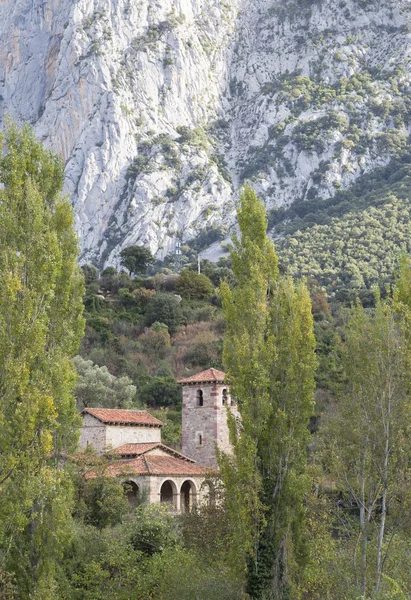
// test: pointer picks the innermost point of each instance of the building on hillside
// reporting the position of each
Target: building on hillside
(148, 468)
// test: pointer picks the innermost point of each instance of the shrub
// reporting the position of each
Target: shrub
(160, 391)
(109, 271)
(103, 502)
(164, 308)
(90, 273)
(154, 530)
(156, 342)
(194, 285)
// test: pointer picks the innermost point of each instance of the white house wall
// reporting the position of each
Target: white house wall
(117, 435)
(92, 433)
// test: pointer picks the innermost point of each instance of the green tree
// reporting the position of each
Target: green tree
(136, 259)
(8, 590)
(156, 341)
(194, 285)
(97, 387)
(102, 501)
(164, 308)
(41, 325)
(366, 440)
(269, 356)
(90, 273)
(160, 391)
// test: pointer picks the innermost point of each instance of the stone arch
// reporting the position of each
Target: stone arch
(188, 495)
(200, 398)
(132, 491)
(208, 493)
(168, 492)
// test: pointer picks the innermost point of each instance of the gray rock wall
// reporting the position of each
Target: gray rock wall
(260, 85)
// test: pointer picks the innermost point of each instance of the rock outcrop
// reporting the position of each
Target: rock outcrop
(161, 109)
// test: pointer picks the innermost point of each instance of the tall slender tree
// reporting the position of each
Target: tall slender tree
(366, 445)
(41, 325)
(269, 356)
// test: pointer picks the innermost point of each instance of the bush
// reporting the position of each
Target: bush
(112, 282)
(154, 530)
(164, 308)
(156, 342)
(194, 285)
(103, 502)
(205, 353)
(90, 273)
(108, 272)
(160, 391)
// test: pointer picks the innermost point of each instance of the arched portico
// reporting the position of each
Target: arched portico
(169, 493)
(208, 494)
(132, 491)
(188, 495)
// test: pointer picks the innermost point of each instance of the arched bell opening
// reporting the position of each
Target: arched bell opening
(199, 398)
(188, 496)
(132, 492)
(168, 493)
(225, 397)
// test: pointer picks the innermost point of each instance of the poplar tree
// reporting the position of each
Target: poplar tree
(366, 440)
(41, 325)
(269, 357)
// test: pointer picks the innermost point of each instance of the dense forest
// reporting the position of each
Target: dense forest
(313, 504)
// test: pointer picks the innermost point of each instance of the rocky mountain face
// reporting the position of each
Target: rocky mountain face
(162, 108)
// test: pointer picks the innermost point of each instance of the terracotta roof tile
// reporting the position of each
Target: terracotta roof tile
(129, 450)
(152, 465)
(204, 376)
(135, 449)
(125, 417)
(169, 465)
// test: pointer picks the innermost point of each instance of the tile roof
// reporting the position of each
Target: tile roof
(129, 450)
(205, 376)
(152, 465)
(123, 417)
(170, 465)
(135, 449)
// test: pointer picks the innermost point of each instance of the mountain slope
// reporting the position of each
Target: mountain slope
(162, 109)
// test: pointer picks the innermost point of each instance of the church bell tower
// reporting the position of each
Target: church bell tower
(206, 400)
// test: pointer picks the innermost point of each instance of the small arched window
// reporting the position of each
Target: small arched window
(200, 439)
(225, 397)
(200, 399)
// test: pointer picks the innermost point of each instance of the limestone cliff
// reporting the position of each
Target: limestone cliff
(162, 108)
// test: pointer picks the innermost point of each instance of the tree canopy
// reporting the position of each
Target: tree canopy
(269, 356)
(97, 387)
(41, 325)
(136, 259)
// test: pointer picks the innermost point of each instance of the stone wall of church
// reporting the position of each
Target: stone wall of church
(102, 436)
(205, 425)
(117, 435)
(186, 492)
(92, 433)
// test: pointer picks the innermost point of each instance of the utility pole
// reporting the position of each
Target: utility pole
(177, 257)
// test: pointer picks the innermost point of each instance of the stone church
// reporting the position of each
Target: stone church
(148, 468)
